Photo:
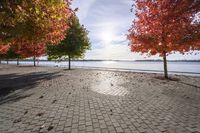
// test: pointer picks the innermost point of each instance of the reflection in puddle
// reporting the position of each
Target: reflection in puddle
(109, 85)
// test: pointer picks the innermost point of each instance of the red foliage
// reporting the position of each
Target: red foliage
(30, 50)
(4, 49)
(165, 26)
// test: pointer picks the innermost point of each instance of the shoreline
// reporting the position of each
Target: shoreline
(198, 60)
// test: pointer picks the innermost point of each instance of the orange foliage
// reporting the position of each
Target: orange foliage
(165, 26)
(33, 24)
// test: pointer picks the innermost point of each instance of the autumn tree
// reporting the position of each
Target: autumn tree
(33, 23)
(74, 45)
(28, 51)
(165, 26)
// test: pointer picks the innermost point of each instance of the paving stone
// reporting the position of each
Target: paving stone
(74, 131)
(119, 130)
(89, 128)
(67, 129)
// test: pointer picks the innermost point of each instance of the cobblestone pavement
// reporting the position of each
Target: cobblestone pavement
(55, 100)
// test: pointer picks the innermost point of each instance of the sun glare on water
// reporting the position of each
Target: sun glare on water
(109, 62)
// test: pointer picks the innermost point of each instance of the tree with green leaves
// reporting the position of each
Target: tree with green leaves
(73, 46)
(11, 54)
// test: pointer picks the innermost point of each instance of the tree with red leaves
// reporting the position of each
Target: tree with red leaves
(165, 26)
(27, 50)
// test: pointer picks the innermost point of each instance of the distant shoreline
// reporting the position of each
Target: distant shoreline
(115, 60)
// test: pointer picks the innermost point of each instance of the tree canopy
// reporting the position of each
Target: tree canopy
(3, 51)
(33, 22)
(32, 50)
(11, 54)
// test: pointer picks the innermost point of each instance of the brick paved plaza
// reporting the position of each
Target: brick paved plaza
(56, 100)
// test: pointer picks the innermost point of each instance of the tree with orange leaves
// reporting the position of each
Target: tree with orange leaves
(33, 23)
(36, 20)
(165, 26)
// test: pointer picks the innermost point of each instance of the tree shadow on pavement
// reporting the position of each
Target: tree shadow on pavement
(12, 86)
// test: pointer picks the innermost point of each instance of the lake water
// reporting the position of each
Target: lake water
(183, 68)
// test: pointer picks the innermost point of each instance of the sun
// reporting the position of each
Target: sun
(107, 36)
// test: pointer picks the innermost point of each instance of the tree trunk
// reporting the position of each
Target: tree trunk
(69, 59)
(7, 61)
(18, 61)
(34, 60)
(34, 57)
(165, 65)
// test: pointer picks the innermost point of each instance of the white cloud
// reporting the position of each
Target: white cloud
(122, 52)
(83, 6)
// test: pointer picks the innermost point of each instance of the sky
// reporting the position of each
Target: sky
(108, 22)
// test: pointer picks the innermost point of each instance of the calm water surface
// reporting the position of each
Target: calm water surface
(189, 68)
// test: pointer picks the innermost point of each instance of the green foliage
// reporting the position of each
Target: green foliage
(11, 54)
(74, 45)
